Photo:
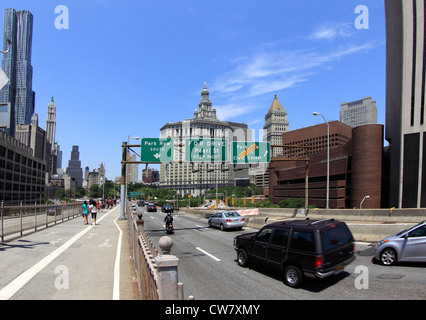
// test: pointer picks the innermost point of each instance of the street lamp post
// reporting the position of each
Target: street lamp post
(8, 47)
(328, 159)
(366, 197)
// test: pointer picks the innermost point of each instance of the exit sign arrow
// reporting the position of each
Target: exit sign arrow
(243, 152)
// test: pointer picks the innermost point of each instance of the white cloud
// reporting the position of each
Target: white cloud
(233, 111)
(332, 31)
(272, 71)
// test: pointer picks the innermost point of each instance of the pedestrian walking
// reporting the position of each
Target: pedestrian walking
(85, 213)
(94, 213)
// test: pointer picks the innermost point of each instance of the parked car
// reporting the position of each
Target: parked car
(408, 245)
(152, 208)
(299, 248)
(167, 208)
(227, 220)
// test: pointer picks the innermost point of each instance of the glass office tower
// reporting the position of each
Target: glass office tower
(18, 27)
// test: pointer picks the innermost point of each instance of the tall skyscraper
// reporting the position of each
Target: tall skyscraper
(18, 27)
(359, 113)
(405, 101)
(275, 125)
(51, 122)
(51, 131)
(74, 166)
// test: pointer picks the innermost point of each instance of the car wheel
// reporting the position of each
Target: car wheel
(388, 257)
(222, 227)
(210, 224)
(292, 276)
(242, 258)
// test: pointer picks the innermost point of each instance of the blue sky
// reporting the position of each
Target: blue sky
(126, 68)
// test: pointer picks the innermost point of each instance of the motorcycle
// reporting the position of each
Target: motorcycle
(169, 228)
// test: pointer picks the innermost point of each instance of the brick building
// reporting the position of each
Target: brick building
(356, 157)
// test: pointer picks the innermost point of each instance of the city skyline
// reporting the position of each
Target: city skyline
(109, 85)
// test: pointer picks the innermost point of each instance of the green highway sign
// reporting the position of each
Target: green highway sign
(157, 150)
(206, 150)
(243, 152)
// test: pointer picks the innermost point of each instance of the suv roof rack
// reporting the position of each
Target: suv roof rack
(322, 221)
(307, 222)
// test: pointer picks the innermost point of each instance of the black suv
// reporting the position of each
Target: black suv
(312, 248)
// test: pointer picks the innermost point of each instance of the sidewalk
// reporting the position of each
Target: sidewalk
(70, 261)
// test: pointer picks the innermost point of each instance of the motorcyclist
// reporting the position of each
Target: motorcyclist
(168, 219)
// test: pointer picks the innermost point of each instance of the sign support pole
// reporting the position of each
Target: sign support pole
(123, 194)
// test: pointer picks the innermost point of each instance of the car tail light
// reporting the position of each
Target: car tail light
(318, 262)
(228, 220)
(243, 219)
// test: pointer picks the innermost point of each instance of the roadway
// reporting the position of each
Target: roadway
(208, 269)
(72, 261)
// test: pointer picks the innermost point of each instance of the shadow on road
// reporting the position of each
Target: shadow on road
(24, 244)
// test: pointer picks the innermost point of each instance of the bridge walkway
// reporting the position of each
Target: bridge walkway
(70, 261)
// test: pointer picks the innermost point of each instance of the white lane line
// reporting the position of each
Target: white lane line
(8, 291)
(116, 286)
(208, 254)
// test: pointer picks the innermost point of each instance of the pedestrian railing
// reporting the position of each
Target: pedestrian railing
(19, 220)
(157, 274)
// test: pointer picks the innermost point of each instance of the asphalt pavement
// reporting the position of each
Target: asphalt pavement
(70, 261)
(209, 271)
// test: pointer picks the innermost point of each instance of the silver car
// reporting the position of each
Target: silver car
(407, 245)
(227, 220)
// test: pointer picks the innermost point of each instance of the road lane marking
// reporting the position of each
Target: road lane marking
(208, 254)
(8, 291)
(116, 285)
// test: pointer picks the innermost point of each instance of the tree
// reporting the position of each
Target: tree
(95, 191)
(60, 193)
(69, 193)
(80, 192)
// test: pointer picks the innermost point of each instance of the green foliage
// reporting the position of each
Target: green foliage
(161, 195)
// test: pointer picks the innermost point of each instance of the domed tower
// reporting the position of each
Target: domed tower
(205, 105)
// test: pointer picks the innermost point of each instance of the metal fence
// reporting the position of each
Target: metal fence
(157, 274)
(19, 220)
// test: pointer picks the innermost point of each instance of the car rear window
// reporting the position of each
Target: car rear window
(335, 236)
(232, 214)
